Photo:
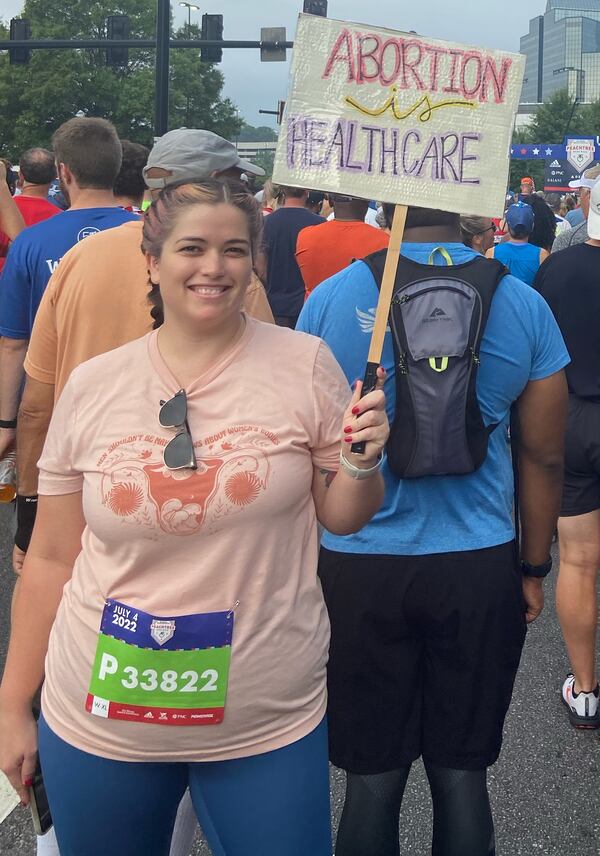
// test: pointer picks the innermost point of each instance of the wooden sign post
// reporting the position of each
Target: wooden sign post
(383, 307)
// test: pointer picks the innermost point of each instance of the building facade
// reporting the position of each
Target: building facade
(562, 51)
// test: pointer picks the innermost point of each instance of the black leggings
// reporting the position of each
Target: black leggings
(462, 819)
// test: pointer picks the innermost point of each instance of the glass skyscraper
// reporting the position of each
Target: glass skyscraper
(563, 51)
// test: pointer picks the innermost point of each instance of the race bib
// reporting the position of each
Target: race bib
(165, 671)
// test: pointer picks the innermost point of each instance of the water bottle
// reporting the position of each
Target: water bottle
(8, 477)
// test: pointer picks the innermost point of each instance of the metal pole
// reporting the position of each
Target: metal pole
(187, 88)
(161, 106)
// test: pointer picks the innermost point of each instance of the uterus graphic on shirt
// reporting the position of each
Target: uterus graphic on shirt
(233, 471)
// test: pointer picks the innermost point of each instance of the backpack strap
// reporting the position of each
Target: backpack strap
(443, 253)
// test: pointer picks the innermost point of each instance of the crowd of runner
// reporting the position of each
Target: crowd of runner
(216, 592)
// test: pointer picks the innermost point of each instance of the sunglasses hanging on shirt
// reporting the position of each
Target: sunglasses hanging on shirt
(178, 454)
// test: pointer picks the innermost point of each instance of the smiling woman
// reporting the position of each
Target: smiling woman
(198, 460)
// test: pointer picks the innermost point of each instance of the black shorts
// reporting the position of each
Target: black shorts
(581, 489)
(423, 658)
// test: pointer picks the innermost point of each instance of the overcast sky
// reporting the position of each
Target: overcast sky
(253, 85)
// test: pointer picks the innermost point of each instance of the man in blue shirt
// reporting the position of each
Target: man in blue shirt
(520, 257)
(278, 268)
(88, 158)
(429, 602)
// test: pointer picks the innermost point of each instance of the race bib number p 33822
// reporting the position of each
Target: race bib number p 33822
(161, 670)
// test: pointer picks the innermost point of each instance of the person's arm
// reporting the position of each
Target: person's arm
(11, 221)
(542, 415)
(12, 355)
(345, 504)
(55, 545)
(35, 413)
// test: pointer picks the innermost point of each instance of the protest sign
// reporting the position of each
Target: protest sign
(397, 117)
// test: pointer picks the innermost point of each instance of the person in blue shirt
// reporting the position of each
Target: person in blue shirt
(520, 257)
(88, 157)
(429, 601)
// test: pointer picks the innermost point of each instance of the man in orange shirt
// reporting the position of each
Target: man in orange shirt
(329, 247)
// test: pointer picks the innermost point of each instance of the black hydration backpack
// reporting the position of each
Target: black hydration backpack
(437, 318)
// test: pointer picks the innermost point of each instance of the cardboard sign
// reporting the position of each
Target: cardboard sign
(399, 118)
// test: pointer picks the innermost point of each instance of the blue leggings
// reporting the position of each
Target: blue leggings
(274, 804)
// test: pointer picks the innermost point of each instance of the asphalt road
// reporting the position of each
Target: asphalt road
(545, 789)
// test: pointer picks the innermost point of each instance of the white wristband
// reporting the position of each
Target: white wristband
(356, 472)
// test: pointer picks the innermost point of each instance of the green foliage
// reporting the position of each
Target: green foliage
(266, 161)
(260, 134)
(550, 122)
(56, 84)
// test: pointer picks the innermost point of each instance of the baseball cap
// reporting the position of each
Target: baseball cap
(588, 179)
(593, 223)
(190, 153)
(520, 214)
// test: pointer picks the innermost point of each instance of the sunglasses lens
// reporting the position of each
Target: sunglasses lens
(173, 412)
(179, 453)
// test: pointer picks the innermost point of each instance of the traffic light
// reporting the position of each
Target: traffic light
(316, 7)
(19, 31)
(118, 28)
(212, 30)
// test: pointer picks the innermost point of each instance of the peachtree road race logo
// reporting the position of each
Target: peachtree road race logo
(162, 631)
(581, 153)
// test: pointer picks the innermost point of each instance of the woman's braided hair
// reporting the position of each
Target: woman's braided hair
(161, 216)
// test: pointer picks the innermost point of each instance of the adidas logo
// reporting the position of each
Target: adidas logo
(555, 164)
(437, 312)
(149, 715)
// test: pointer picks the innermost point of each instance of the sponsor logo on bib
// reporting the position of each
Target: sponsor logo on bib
(162, 631)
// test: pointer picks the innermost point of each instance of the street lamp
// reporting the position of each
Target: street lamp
(579, 90)
(189, 7)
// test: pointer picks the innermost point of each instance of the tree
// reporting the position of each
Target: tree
(56, 84)
(550, 122)
(261, 134)
(266, 161)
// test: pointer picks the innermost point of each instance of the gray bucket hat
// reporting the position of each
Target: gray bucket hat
(190, 153)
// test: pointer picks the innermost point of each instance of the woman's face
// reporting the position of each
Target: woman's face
(487, 237)
(205, 266)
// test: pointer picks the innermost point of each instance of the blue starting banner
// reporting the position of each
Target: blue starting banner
(580, 152)
(564, 163)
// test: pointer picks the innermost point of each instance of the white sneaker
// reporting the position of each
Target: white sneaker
(584, 708)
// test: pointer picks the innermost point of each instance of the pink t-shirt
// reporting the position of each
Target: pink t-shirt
(240, 528)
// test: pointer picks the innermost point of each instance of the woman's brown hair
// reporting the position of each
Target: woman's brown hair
(161, 216)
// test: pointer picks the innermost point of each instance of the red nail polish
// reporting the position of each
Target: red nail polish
(348, 439)
(356, 410)
(347, 430)
(28, 783)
